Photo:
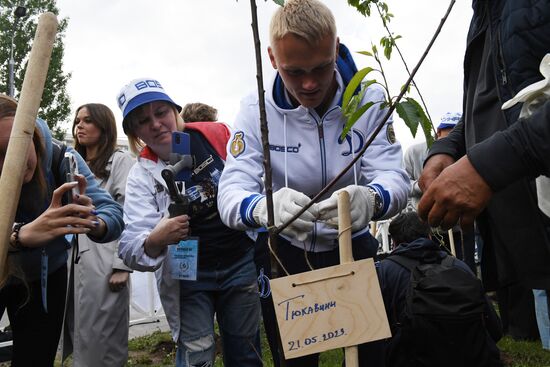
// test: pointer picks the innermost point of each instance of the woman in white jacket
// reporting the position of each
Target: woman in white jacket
(98, 333)
(222, 258)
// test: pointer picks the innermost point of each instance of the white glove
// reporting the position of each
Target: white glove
(286, 203)
(362, 201)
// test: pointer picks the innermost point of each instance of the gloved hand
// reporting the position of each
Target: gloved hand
(286, 203)
(361, 207)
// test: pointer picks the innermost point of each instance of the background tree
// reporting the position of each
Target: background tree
(55, 105)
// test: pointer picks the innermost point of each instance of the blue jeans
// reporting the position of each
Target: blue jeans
(231, 293)
(543, 319)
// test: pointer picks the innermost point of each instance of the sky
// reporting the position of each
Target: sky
(203, 50)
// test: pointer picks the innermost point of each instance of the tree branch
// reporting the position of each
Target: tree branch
(406, 66)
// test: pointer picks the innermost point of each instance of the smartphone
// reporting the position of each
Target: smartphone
(181, 145)
(70, 167)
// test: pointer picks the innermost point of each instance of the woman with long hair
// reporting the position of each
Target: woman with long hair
(99, 329)
(34, 294)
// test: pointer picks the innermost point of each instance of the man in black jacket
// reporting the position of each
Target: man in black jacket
(485, 168)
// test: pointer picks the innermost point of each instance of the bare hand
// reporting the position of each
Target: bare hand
(76, 218)
(433, 167)
(98, 231)
(458, 193)
(118, 280)
(168, 231)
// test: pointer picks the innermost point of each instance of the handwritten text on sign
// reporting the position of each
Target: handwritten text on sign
(329, 308)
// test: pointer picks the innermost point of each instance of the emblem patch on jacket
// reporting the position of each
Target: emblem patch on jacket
(357, 143)
(237, 144)
(390, 134)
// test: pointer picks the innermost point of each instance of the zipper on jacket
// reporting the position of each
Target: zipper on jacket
(500, 59)
(321, 134)
(322, 150)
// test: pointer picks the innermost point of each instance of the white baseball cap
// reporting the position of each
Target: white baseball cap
(449, 120)
(139, 92)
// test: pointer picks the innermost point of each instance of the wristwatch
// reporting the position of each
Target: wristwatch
(378, 205)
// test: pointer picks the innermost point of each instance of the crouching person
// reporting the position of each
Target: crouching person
(225, 282)
(437, 309)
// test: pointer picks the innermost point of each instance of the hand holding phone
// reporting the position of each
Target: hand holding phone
(70, 166)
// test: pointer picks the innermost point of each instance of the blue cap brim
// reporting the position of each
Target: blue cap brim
(142, 99)
(445, 126)
(145, 98)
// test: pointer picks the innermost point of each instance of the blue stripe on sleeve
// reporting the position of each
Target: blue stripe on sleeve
(247, 208)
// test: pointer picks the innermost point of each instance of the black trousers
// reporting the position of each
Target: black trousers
(294, 261)
(35, 332)
(517, 312)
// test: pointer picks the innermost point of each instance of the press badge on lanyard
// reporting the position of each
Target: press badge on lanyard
(183, 259)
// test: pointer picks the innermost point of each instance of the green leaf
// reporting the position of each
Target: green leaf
(362, 7)
(366, 8)
(353, 84)
(366, 53)
(354, 102)
(374, 49)
(412, 113)
(387, 51)
(429, 137)
(403, 87)
(354, 117)
(279, 2)
(424, 122)
(408, 112)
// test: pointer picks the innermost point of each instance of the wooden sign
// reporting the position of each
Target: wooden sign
(329, 308)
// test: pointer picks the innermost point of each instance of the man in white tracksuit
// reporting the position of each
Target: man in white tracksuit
(304, 114)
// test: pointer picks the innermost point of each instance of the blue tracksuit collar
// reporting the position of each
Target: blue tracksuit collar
(344, 64)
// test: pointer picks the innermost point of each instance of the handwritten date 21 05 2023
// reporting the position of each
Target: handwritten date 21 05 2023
(297, 344)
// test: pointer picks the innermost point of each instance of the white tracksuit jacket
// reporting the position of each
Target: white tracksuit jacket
(146, 203)
(306, 154)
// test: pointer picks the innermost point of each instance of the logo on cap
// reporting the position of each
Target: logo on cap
(151, 83)
(121, 100)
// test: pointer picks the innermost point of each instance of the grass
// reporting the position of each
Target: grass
(157, 349)
(523, 353)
